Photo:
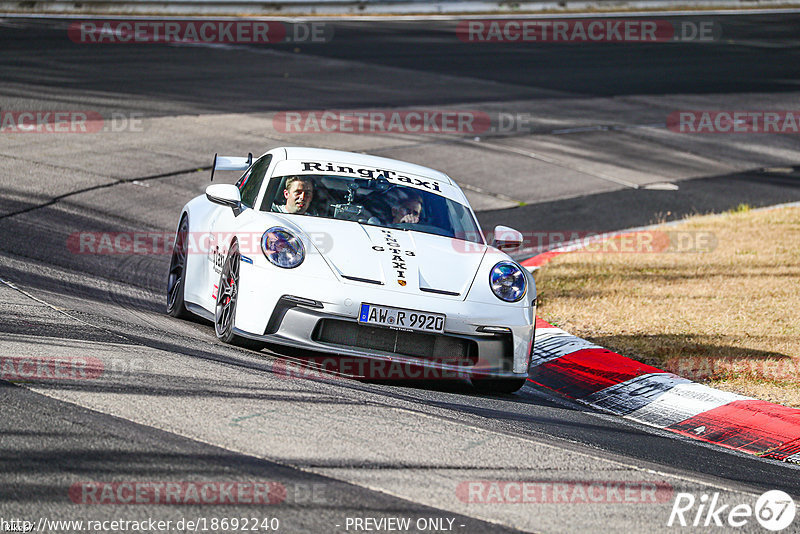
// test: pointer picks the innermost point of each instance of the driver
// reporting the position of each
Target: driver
(298, 192)
(408, 211)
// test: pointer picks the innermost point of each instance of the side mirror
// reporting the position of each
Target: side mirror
(225, 195)
(506, 238)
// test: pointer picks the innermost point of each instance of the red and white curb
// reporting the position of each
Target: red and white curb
(605, 380)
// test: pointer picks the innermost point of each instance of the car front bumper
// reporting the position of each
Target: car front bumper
(489, 340)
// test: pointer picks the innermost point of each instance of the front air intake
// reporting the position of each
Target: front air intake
(441, 348)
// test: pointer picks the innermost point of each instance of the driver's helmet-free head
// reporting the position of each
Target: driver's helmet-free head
(298, 193)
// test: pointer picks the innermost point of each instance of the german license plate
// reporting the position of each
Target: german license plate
(400, 318)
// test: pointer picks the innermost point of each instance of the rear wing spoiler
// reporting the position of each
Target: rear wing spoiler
(230, 163)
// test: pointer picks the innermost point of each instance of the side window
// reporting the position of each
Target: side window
(250, 183)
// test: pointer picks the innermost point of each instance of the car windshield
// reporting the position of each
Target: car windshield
(374, 201)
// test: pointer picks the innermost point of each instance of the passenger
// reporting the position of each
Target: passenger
(409, 210)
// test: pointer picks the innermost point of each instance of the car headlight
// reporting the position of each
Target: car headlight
(282, 248)
(508, 282)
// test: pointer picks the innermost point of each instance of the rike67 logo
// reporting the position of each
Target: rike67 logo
(774, 510)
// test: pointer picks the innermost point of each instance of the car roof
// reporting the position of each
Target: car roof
(340, 156)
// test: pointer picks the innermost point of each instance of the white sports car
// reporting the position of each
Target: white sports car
(356, 256)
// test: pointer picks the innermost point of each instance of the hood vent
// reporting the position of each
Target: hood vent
(365, 280)
(439, 291)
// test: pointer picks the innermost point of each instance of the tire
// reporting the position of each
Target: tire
(176, 277)
(498, 385)
(227, 297)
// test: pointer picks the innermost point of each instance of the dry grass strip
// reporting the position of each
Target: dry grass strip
(715, 299)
